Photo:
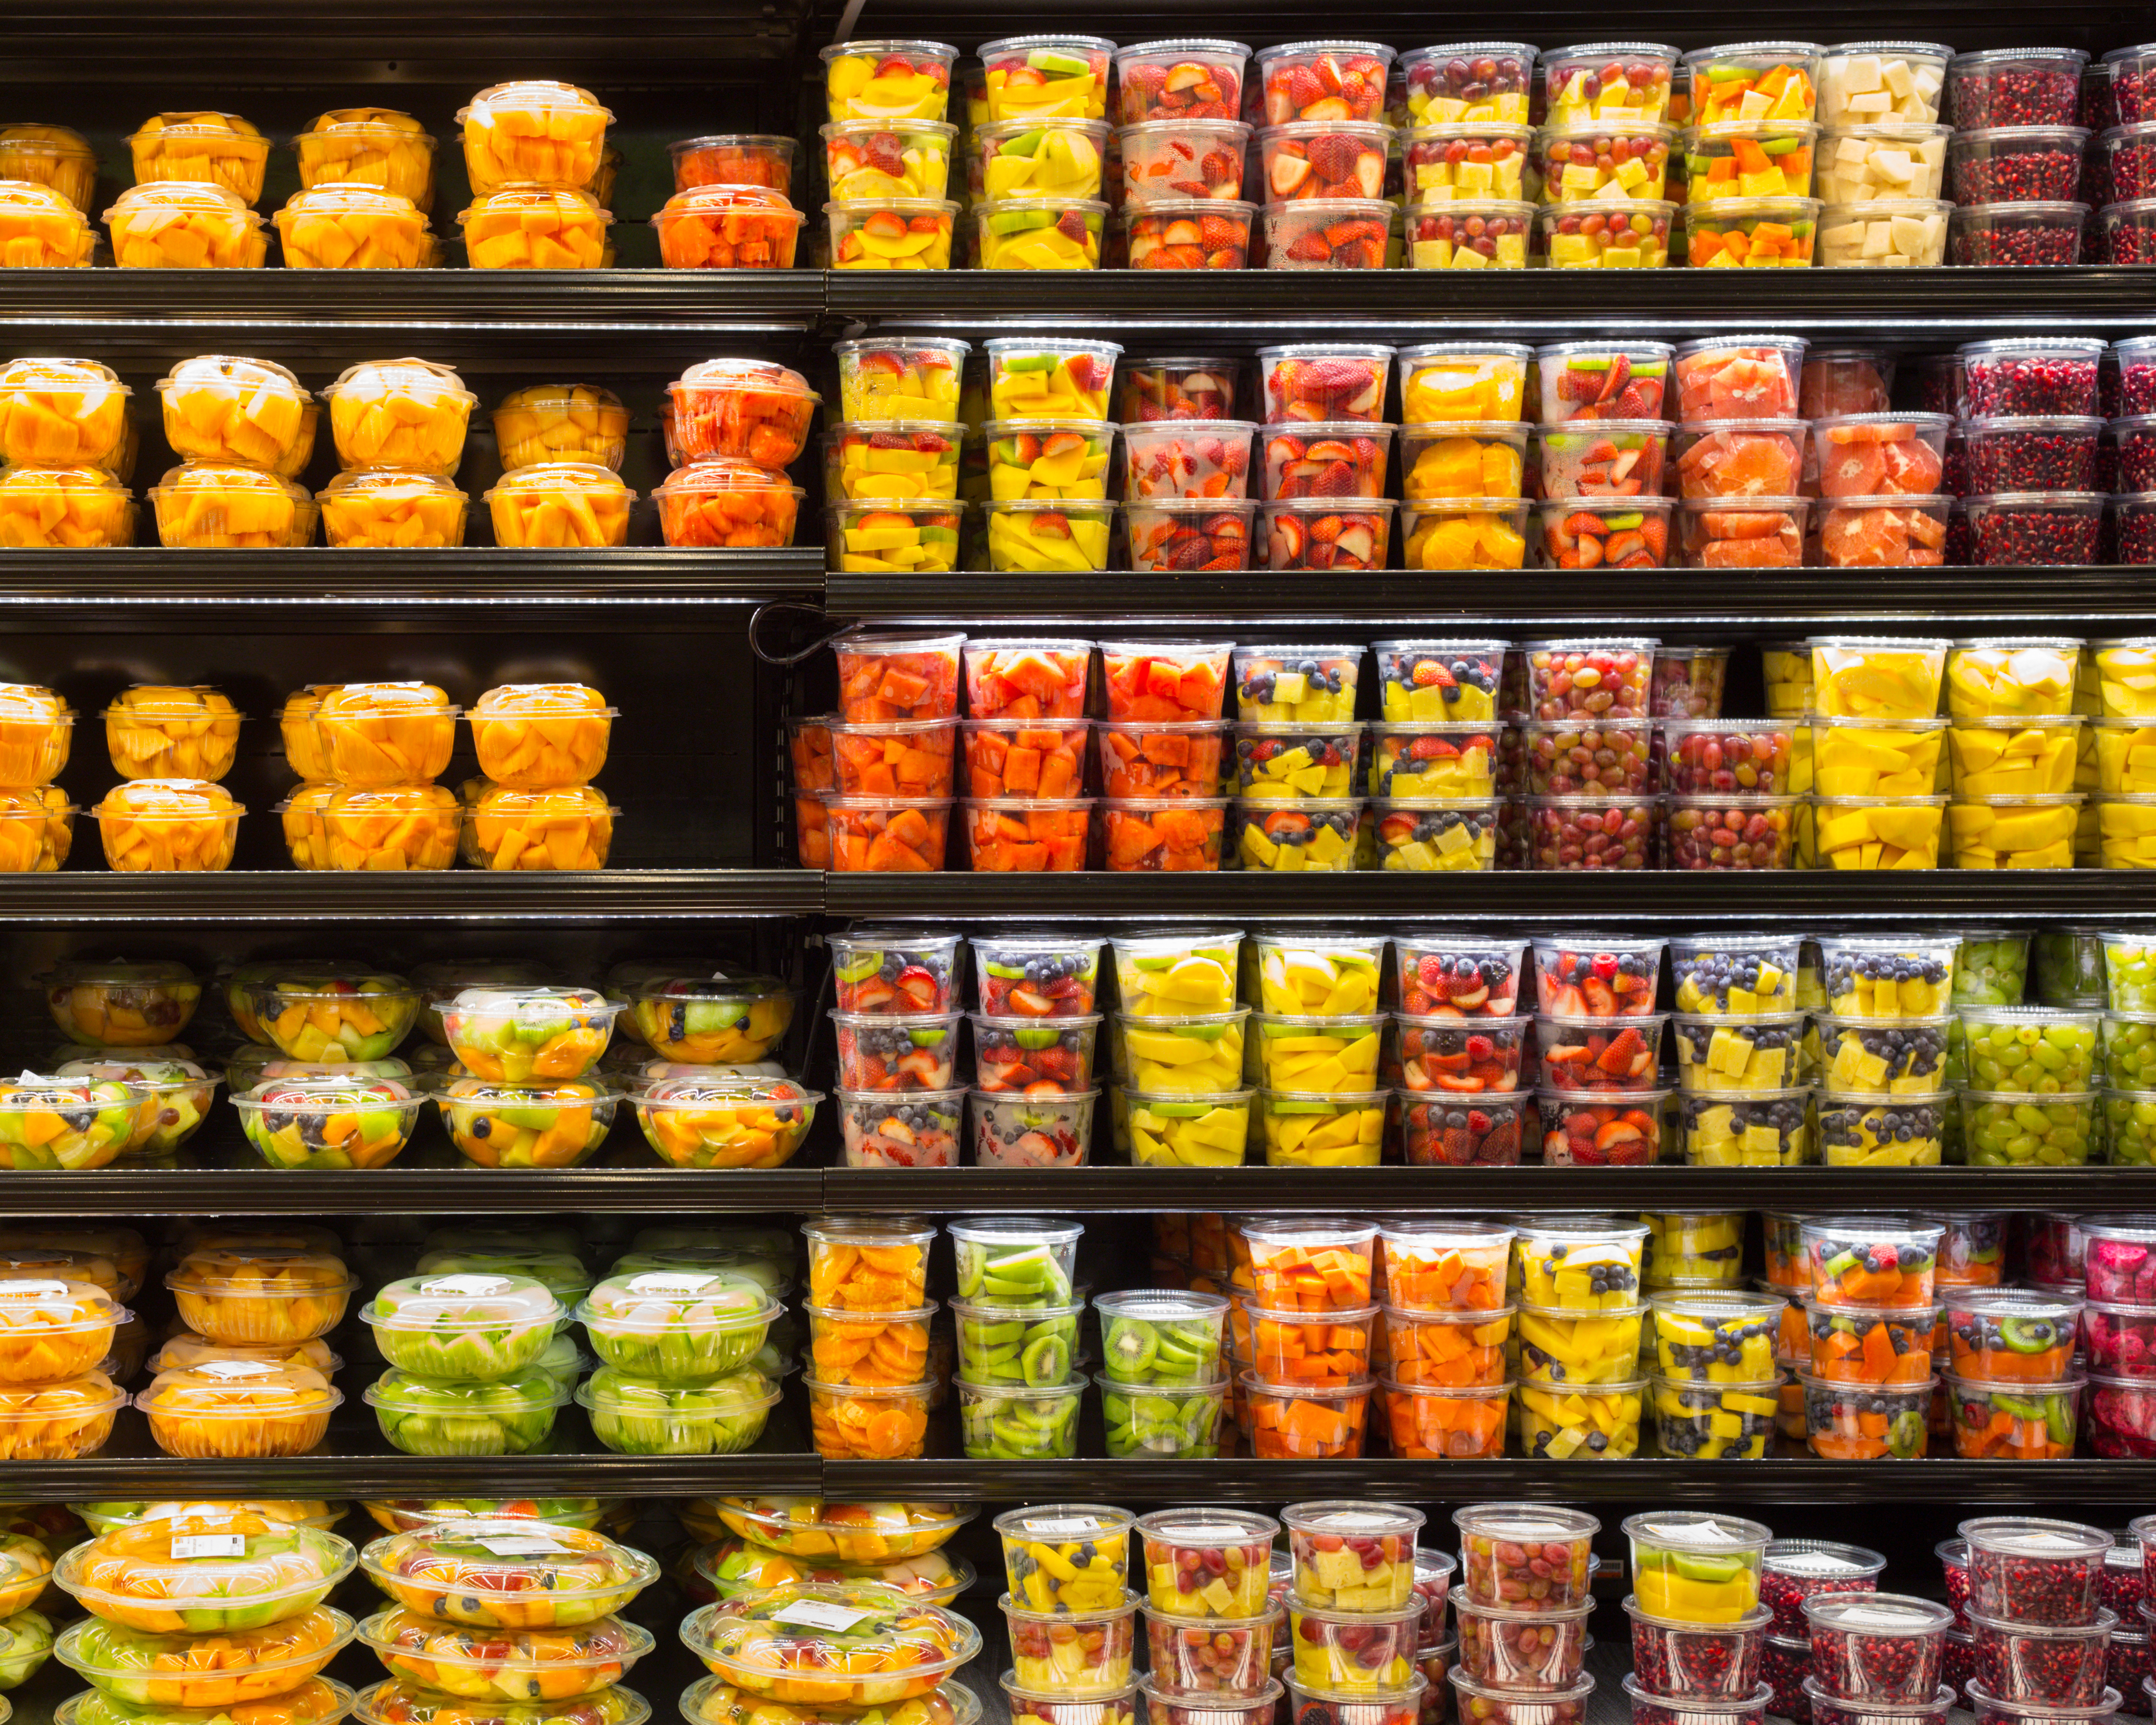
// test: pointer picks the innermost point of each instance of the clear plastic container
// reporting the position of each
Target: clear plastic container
(507, 1574)
(545, 1666)
(133, 1576)
(532, 132)
(480, 1328)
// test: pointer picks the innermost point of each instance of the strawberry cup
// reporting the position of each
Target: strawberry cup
(1173, 534)
(1327, 233)
(1034, 1056)
(726, 504)
(1024, 757)
(1027, 977)
(1598, 380)
(1466, 163)
(1322, 380)
(1605, 458)
(1322, 533)
(1461, 1131)
(1195, 77)
(882, 1052)
(900, 378)
(1179, 835)
(1173, 459)
(1323, 159)
(1345, 459)
(1743, 533)
(1463, 235)
(1738, 377)
(1188, 234)
(1170, 159)
(1040, 536)
(1604, 162)
(1170, 680)
(1883, 532)
(1156, 389)
(891, 234)
(1609, 235)
(1567, 833)
(1162, 760)
(1583, 1055)
(882, 835)
(1323, 80)
(1593, 1129)
(1457, 1056)
(1026, 834)
(1881, 455)
(1606, 532)
(1047, 77)
(887, 81)
(902, 458)
(1740, 457)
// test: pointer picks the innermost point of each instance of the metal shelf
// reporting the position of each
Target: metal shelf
(1248, 308)
(1656, 898)
(477, 588)
(456, 894)
(1680, 604)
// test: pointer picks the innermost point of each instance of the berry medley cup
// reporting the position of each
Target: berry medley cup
(1763, 1127)
(919, 1129)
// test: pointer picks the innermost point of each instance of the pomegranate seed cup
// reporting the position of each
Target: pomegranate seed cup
(1876, 1647)
(1690, 1661)
(2034, 1571)
(2043, 1665)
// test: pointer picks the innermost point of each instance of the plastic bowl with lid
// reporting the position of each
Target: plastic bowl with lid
(120, 1005)
(528, 1665)
(405, 413)
(677, 1325)
(219, 407)
(721, 1019)
(239, 1409)
(535, 228)
(132, 1575)
(514, 1035)
(392, 510)
(560, 421)
(476, 1326)
(505, 1573)
(724, 1120)
(727, 504)
(534, 132)
(272, 1294)
(354, 228)
(330, 1012)
(155, 1671)
(368, 146)
(751, 410)
(328, 1122)
(782, 1646)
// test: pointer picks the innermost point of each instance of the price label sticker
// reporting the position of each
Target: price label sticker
(522, 1545)
(34, 1291)
(465, 1287)
(1063, 1527)
(186, 1546)
(819, 1614)
(662, 1284)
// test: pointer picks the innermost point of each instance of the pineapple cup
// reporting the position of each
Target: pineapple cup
(247, 412)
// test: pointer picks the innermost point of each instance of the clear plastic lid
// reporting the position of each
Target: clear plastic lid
(1352, 1518)
(398, 1702)
(443, 1303)
(159, 199)
(849, 1631)
(420, 379)
(388, 484)
(2033, 1536)
(761, 377)
(225, 1553)
(348, 701)
(651, 1304)
(188, 1349)
(71, 374)
(815, 1527)
(251, 377)
(697, 200)
(317, 1097)
(530, 95)
(1871, 1614)
(226, 1273)
(53, 1306)
(544, 476)
(478, 1568)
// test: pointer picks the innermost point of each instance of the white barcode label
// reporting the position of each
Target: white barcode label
(32, 1289)
(819, 1614)
(209, 1545)
(1063, 1527)
(655, 1284)
(523, 1545)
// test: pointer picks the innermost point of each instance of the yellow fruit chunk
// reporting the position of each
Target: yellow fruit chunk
(2125, 757)
(2014, 832)
(1318, 1132)
(50, 156)
(203, 148)
(230, 507)
(61, 413)
(384, 733)
(1438, 388)
(64, 508)
(405, 413)
(2014, 757)
(168, 824)
(1470, 539)
(560, 421)
(248, 412)
(184, 227)
(2126, 679)
(1852, 758)
(535, 227)
(561, 505)
(368, 146)
(154, 730)
(557, 829)
(534, 133)
(354, 228)
(39, 229)
(391, 827)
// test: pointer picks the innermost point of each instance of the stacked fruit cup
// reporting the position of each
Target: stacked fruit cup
(1458, 1058)
(1745, 1099)
(1071, 1613)
(1469, 169)
(2131, 473)
(1588, 739)
(1603, 151)
(2011, 1391)
(887, 153)
(1749, 155)
(1314, 1051)
(1521, 1609)
(198, 177)
(732, 207)
(1599, 1042)
(1438, 755)
(1214, 1633)
(2125, 825)
(2014, 744)
(1577, 1283)
(890, 465)
(2013, 164)
(370, 756)
(1876, 753)
(1164, 1384)
(1872, 1319)
(1048, 439)
(462, 1351)
(1165, 769)
(1699, 1628)
(902, 693)
(734, 426)
(1182, 145)
(1462, 455)
(1882, 156)
(243, 428)
(898, 1046)
(1186, 461)
(870, 1271)
(1354, 1610)
(1299, 1337)
(1297, 755)
(536, 154)
(1019, 1385)
(1322, 103)
(1443, 1340)
(2031, 1076)
(2032, 1606)
(1035, 1036)
(2033, 437)
(2117, 1329)
(1038, 152)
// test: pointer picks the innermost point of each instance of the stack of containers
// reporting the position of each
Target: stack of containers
(2032, 431)
(1604, 153)
(1748, 156)
(1213, 1632)
(1526, 1573)
(2042, 1637)
(217, 1607)
(1599, 1039)
(756, 1552)
(198, 176)
(2116, 174)
(185, 739)
(539, 746)
(1882, 156)
(1315, 1054)
(54, 172)
(1068, 1568)
(477, 1602)
(1042, 153)
(2031, 1085)
(399, 428)
(2011, 1390)
(2121, 814)
(1354, 1615)
(1164, 768)
(463, 1377)
(873, 1273)
(1025, 806)
(1163, 1383)
(1744, 1099)
(891, 984)
(57, 1401)
(565, 431)
(732, 206)
(1872, 1317)
(1323, 103)
(1877, 749)
(735, 425)
(1576, 1282)
(1437, 758)
(366, 183)
(534, 152)
(1048, 440)
(1297, 751)
(1197, 1118)
(1305, 1330)
(1699, 1628)
(1882, 480)
(1716, 1391)
(890, 465)
(1017, 1312)
(884, 681)
(1740, 452)
(243, 429)
(887, 155)
(1187, 459)
(1796, 1571)
(1462, 456)
(1588, 744)
(2117, 1328)
(1325, 385)
(1443, 1335)
(2013, 164)
(1468, 157)
(1181, 149)
(1460, 1055)
(1881, 1050)
(1602, 452)
(2132, 472)
(369, 760)
(70, 450)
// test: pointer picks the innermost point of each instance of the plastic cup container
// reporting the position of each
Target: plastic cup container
(2017, 234)
(1074, 1556)
(1524, 1556)
(1166, 81)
